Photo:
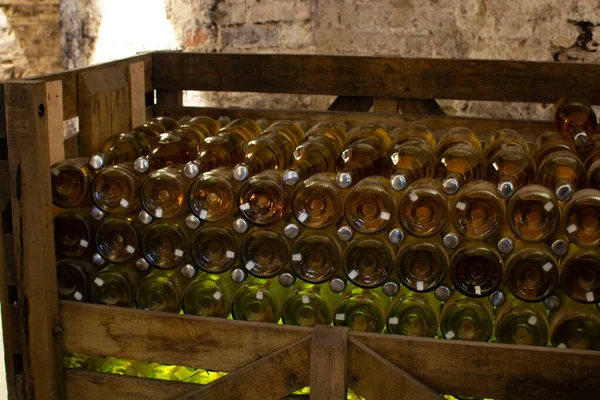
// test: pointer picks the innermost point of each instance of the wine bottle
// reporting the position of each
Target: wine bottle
(403, 134)
(163, 193)
(332, 130)
(372, 132)
(73, 279)
(210, 295)
(412, 160)
(214, 249)
(118, 238)
(121, 148)
(361, 310)
(317, 202)
(458, 135)
(165, 244)
(548, 143)
(263, 200)
(421, 266)
(502, 138)
(116, 284)
(73, 233)
(459, 164)
(71, 182)
(477, 211)
(575, 120)
(168, 123)
(162, 290)
(423, 208)
(116, 189)
(582, 218)
(521, 322)
(212, 195)
(465, 318)
(476, 269)
(533, 213)
(259, 300)
(575, 326)
(317, 153)
(368, 262)
(532, 273)
(122, 366)
(581, 275)
(413, 314)
(316, 256)
(309, 304)
(360, 159)
(510, 168)
(369, 206)
(264, 252)
(197, 129)
(562, 172)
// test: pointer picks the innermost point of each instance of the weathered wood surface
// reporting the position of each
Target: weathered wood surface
(377, 76)
(56, 132)
(328, 359)
(346, 103)
(136, 78)
(169, 97)
(28, 133)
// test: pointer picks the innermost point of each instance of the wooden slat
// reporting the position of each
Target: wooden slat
(7, 321)
(169, 97)
(484, 126)
(55, 123)
(271, 377)
(374, 377)
(329, 350)
(492, 370)
(420, 106)
(69, 80)
(346, 103)
(215, 344)
(138, 93)
(29, 160)
(377, 76)
(385, 105)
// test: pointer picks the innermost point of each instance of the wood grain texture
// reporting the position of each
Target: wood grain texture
(55, 121)
(29, 161)
(169, 97)
(328, 355)
(69, 80)
(420, 106)
(491, 370)
(138, 93)
(484, 126)
(374, 377)
(346, 103)
(385, 105)
(377, 76)
(209, 343)
(271, 377)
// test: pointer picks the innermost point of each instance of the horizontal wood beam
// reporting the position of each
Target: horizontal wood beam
(492, 80)
(484, 126)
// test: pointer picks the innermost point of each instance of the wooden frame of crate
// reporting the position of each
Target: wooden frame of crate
(265, 360)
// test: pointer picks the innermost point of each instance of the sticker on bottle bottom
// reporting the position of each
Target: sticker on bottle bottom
(420, 286)
(217, 295)
(385, 216)
(245, 207)
(124, 203)
(589, 296)
(203, 214)
(83, 243)
(393, 321)
(130, 249)
(55, 171)
(532, 320)
(547, 267)
(158, 212)
(229, 254)
(99, 282)
(78, 296)
(259, 295)
(302, 216)
(571, 228)
(178, 253)
(549, 206)
(297, 257)
(477, 290)
(250, 265)
(305, 299)
(461, 206)
(352, 274)
(450, 335)
(340, 317)
(413, 196)
(561, 346)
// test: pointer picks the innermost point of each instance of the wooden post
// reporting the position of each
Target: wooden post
(138, 93)
(328, 354)
(385, 105)
(169, 97)
(28, 133)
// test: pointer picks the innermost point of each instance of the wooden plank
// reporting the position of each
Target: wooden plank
(7, 322)
(374, 377)
(346, 103)
(491, 370)
(209, 343)
(55, 122)
(484, 126)
(69, 80)
(494, 80)
(420, 106)
(328, 350)
(169, 97)
(28, 136)
(271, 377)
(103, 106)
(385, 105)
(137, 93)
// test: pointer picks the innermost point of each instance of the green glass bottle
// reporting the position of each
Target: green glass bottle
(465, 318)
(264, 252)
(162, 290)
(421, 266)
(210, 295)
(575, 326)
(118, 238)
(73, 279)
(259, 300)
(316, 256)
(123, 366)
(521, 322)
(214, 249)
(116, 284)
(309, 304)
(581, 275)
(414, 314)
(532, 273)
(166, 244)
(362, 310)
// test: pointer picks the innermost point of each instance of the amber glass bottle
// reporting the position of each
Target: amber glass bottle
(477, 211)
(259, 300)
(360, 159)
(166, 150)
(460, 163)
(165, 244)
(263, 199)
(520, 322)
(317, 153)
(412, 160)
(548, 143)
(150, 129)
(575, 120)
(465, 318)
(458, 135)
(162, 290)
(116, 189)
(118, 238)
(318, 203)
(73, 233)
(309, 304)
(214, 249)
(563, 173)
(73, 278)
(581, 276)
(582, 218)
(116, 284)
(421, 266)
(476, 269)
(373, 132)
(510, 168)
(163, 193)
(168, 123)
(592, 165)
(197, 129)
(316, 256)
(423, 208)
(500, 139)
(264, 253)
(210, 295)
(71, 182)
(421, 133)
(413, 314)
(361, 310)
(532, 273)
(369, 206)
(533, 213)
(333, 130)
(212, 195)
(368, 262)
(120, 148)
(575, 326)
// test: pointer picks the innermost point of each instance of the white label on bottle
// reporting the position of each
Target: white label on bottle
(130, 249)
(561, 346)
(495, 166)
(589, 296)
(55, 171)
(229, 254)
(158, 212)
(385, 215)
(203, 214)
(413, 196)
(78, 296)
(217, 295)
(450, 335)
(478, 290)
(178, 253)
(83, 243)
(305, 299)
(571, 228)
(549, 206)
(532, 320)
(245, 207)
(259, 295)
(98, 282)
(393, 321)
(353, 274)
(297, 257)
(461, 206)
(547, 267)
(302, 216)
(124, 203)
(420, 286)
(340, 317)
(250, 265)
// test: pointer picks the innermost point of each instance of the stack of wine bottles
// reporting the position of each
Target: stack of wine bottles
(381, 229)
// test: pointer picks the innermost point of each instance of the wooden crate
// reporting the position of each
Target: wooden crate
(265, 360)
